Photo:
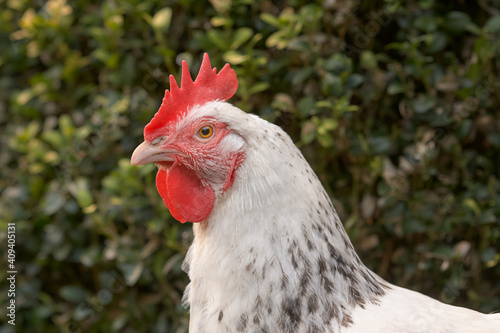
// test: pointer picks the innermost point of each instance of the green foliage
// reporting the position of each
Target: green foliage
(395, 104)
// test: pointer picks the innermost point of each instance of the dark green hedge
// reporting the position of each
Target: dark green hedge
(396, 104)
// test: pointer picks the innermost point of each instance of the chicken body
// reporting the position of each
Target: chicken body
(403, 310)
(270, 253)
(273, 255)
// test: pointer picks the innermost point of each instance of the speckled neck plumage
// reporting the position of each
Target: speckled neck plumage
(273, 253)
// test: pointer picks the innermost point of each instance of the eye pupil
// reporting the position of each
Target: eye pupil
(206, 132)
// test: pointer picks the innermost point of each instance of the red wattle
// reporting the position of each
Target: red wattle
(161, 186)
(184, 194)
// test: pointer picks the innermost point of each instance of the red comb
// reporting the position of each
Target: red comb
(208, 86)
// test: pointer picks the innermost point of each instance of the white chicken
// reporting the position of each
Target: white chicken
(269, 252)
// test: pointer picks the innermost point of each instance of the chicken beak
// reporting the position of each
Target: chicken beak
(148, 153)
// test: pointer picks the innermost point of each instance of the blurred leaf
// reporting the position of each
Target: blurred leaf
(73, 293)
(354, 80)
(494, 139)
(235, 58)
(241, 36)
(90, 256)
(258, 87)
(456, 22)
(114, 22)
(67, 128)
(278, 40)
(270, 19)
(302, 75)
(368, 59)
(395, 88)
(170, 263)
(219, 21)
(490, 257)
(323, 130)
(485, 49)
(472, 204)
(493, 24)
(380, 145)
(161, 20)
(308, 133)
(473, 28)
(53, 201)
(218, 38)
(81, 191)
(221, 6)
(132, 272)
(426, 23)
(426, 4)
(439, 40)
(424, 103)
(306, 105)
(25, 96)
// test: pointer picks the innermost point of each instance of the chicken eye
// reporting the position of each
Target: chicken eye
(206, 132)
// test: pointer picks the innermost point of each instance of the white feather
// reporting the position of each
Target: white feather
(403, 310)
(250, 260)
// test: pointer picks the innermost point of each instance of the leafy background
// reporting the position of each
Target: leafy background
(395, 104)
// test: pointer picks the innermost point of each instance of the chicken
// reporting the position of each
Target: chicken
(269, 252)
